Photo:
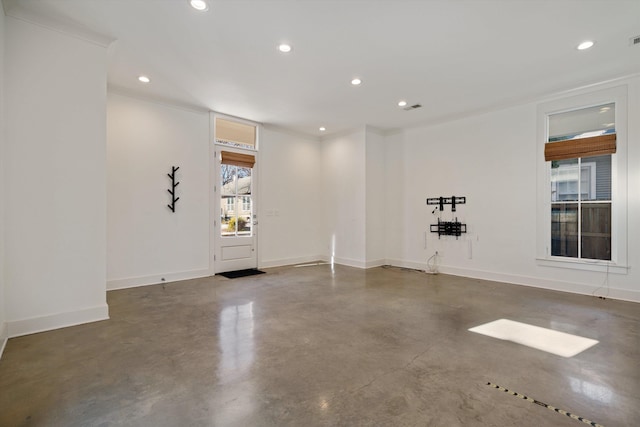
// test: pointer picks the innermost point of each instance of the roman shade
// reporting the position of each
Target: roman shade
(581, 147)
(237, 159)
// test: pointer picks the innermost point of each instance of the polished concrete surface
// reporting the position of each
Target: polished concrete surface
(311, 347)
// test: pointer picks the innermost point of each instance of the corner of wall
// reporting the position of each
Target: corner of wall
(3, 327)
(3, 338)
(68, 286)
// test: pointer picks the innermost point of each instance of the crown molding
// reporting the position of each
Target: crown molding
(345, 132)
(13, 9)
(131, 93)
(290, 131)
(517, 102)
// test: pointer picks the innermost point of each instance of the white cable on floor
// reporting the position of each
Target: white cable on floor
(433, 268)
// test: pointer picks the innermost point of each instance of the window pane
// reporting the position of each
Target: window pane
(228, 216)
(235, 134)
(564, 180)
(592, 121)
(564, 230)
(596, 231)
(236, 211)
(228, 179)
(244, 181)
(244, 223)
(585, 183)
(596, 178)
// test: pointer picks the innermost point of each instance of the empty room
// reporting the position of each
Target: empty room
(461, 246)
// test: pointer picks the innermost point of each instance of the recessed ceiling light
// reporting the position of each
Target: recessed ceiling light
(402, 103)
(322, 129)
(284, 48)
(144, 79)
(585, 45)
(605, 109)
(200, 5)
(356, 81)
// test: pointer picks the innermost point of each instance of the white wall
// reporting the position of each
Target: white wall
(146, 241)
(344, 196)
(491, 159)
(55, 189)
(395, 198)
(376, 204)
(290, 207)
(3, 330)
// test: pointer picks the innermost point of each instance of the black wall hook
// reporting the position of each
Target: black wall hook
(172, 190)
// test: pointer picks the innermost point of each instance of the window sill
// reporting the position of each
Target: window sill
(600, 266)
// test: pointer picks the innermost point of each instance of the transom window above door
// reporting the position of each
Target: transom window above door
(235, 134)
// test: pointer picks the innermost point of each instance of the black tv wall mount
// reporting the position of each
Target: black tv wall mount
(441, 201)
(447, 228)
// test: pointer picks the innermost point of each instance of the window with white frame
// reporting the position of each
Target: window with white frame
(231, 205)
(582, 180)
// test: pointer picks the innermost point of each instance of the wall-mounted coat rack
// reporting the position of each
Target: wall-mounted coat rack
(441, 201)
(172, 190)
(448, 228)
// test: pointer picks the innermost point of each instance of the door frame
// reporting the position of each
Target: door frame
(214, 190)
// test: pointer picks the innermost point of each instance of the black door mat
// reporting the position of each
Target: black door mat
(241, 273)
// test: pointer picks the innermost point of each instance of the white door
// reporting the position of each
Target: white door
(235, 184)
(235, 221)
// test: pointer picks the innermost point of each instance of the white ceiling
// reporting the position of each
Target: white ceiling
(453, 57)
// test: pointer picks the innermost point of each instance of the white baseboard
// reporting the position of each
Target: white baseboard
(354, 262)
(34, 325)
(289, 261)
(350, 262)
(536, 282)
(132, 282)
(3, 337)
(375, 263)
(407, 264)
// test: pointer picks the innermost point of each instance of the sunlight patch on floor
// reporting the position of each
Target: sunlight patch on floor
(555, 342)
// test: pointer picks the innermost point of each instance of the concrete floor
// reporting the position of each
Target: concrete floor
(307, 347)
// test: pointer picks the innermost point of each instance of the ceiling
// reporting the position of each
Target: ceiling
(453, 57)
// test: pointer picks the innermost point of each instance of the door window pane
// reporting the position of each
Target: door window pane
(244, 181)
(227, 216)
(235, 201)
(228, 179)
